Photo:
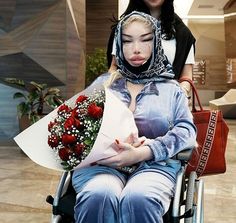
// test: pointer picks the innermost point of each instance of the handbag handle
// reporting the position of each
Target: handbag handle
(195, 94)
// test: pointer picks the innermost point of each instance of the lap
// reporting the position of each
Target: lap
(150, 184)
(145, 188)
(91, 175)
(104, 183)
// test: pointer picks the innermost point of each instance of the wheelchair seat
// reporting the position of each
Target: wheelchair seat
(187, 203)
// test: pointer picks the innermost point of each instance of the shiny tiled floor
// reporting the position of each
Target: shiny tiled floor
(24, 186)
(220, 190)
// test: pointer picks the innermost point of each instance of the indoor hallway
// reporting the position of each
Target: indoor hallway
(25, 185)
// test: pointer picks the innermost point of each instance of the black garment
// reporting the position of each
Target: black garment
(184, 41)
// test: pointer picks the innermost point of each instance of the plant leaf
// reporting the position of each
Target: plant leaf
(53, 91)
(34, 118)
(23, 108)
(15, 81)
(87, 142)
(49, 100)
(19, 95)
(40, 87)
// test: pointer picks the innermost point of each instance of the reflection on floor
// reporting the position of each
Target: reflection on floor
(25, 185)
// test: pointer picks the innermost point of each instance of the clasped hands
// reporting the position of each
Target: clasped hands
(130, 152)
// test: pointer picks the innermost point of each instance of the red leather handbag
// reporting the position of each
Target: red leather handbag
(208, 158)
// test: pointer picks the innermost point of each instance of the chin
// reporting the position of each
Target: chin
(140, 63)
(136, 65)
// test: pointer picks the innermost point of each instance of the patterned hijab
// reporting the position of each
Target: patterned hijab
(157, 68)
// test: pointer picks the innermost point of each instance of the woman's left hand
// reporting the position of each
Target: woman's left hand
(128, 154)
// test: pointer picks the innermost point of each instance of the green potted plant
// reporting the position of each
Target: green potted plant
(35, 98)
(96, 64)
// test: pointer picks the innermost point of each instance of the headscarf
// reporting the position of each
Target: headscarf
(157, 67)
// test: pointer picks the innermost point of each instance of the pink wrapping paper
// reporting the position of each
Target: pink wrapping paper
(118, 123)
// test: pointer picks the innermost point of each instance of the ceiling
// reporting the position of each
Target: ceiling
(207, 7)
(191, 7)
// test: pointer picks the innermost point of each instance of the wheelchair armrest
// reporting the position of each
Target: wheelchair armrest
(184, 155)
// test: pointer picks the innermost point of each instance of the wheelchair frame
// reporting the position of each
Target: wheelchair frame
(186, 206)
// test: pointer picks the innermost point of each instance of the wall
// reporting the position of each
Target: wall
(43, 41)
(98, 22)
(216, 44)
(76, 45)
(230, 46)
(210, 47)
(47, 41)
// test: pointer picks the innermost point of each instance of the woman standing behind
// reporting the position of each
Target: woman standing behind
(177, 40)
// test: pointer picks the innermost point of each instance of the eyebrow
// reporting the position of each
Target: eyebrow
(143, 35)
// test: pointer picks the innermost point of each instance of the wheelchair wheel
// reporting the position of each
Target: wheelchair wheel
(190, 194)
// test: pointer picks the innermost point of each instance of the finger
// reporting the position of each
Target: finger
(125, 146)
(130, 139)
(138, 143)
(107, 162)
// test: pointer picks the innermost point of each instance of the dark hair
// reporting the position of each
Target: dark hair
(166, 17)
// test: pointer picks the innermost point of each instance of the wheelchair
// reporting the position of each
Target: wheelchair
(186, 205)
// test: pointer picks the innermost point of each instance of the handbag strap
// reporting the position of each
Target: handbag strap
(208, 142)
(210, 134)
(194, 92)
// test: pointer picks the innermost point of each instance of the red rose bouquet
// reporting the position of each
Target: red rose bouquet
(80, 132)
(74, 130)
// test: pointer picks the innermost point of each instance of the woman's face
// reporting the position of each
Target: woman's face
(137, 39)
(154, 4)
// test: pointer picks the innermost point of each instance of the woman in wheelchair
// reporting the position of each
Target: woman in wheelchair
(144, 82)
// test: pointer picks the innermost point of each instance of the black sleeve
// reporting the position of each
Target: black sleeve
(184, 41)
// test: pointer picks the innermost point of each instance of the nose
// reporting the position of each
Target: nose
(136, 48)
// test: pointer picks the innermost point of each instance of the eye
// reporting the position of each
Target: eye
(148, 39)
(126, 41)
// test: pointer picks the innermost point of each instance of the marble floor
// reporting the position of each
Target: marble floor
(24, 186)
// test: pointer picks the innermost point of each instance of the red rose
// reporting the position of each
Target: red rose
(68, 139)
(77, 123)
(95, 111)
(74, 113)
(64, 153)
(53, 141)
(81, 98)
(79, 148)
(63, 108)
(69, 122)
(50, 125)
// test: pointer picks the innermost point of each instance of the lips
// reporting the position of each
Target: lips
(137, 60)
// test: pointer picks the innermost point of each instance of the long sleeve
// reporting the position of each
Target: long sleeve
(181, 135)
